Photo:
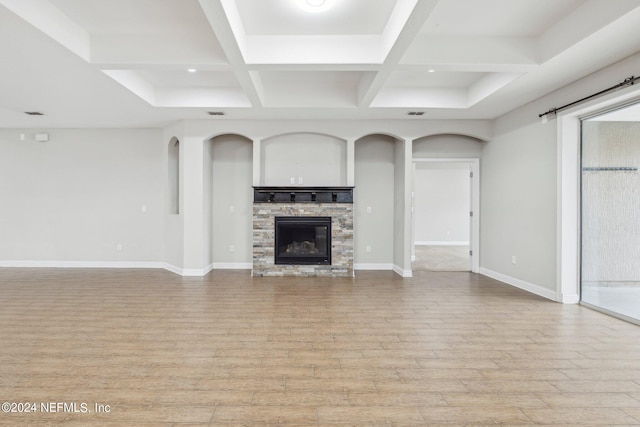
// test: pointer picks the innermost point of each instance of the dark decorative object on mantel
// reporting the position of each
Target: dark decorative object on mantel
(303, 194)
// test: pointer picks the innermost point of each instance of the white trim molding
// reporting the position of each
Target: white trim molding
(521, 284)
(402, 272)
(231, 266)
(372, 266)
(80, 264)
(442, 243)
(568, 191)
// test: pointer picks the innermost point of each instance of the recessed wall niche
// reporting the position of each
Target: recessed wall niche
(305, 159)
(173, 175)
(374, 195)
(228, 199)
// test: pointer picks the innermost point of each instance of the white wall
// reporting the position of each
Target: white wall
(518, 204)
(442, 203)
(309, 159)
(121, 170)
(520, 191)
(79, 195)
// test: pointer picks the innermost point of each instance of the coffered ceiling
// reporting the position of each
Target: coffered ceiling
(86, 63)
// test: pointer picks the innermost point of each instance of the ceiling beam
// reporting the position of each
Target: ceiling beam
(51, 21)
(371, 85)
(220, 18)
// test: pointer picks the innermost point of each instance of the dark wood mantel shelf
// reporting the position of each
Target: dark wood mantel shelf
(303, 194)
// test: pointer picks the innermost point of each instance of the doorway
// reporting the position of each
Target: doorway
(445, 215)
(610, 206)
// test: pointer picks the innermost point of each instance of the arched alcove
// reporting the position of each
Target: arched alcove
(376, 169)
(448, 146)
(173, 176)
(307, 159)
(227, 200)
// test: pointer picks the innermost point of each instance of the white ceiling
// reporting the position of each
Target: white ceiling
(124, 63)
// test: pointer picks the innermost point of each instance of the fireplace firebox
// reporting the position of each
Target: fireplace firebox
(302, 240)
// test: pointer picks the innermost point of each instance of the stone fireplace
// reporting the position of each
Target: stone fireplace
(303, 231)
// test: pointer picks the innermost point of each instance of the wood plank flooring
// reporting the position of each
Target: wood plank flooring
(377, 350)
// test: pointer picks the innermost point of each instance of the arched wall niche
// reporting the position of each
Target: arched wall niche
(376, 182)
(227, 200)
(214, 136)
(381, 134)
(303, 158)
(173, 176)
(447, 145)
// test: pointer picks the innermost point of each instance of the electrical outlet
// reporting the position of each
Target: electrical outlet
(232, 248)
(369, 209)
(368, 249)
(513, 259)
(232, 209)
(119, 247)
(300, 180)
(292, 180)
(143, 208)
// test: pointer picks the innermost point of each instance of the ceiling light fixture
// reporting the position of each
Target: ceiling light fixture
(315, 6)
(192, 70)
(432, 71)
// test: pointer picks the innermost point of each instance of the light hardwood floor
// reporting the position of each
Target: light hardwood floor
(377, 350)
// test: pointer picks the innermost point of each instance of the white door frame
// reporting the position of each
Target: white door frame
(474, 243)
(568, 191)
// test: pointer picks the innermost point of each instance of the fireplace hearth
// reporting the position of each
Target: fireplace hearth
(302, 240)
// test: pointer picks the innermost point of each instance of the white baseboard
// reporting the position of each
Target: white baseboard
(372, 266)
(186, 272)
(521, 284)
(402, 272)
(383, 266)
(442, 243)
(172, 268)
(569, 299)
(231, 266)
(81, 264)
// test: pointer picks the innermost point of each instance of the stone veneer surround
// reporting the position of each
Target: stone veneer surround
(341, 239)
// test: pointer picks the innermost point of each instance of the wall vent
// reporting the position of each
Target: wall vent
(415, 113)
(34, 113)
(215, 113)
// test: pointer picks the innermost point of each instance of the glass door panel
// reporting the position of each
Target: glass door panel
(610, 276)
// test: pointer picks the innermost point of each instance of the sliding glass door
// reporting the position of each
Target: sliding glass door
(610, 276)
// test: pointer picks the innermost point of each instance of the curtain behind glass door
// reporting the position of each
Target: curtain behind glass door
(611, 216)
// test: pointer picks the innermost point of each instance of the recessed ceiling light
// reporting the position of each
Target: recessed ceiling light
(432, 71)
(315, 6)
(192, 70)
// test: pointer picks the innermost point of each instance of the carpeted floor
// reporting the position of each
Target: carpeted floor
(442, 258)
